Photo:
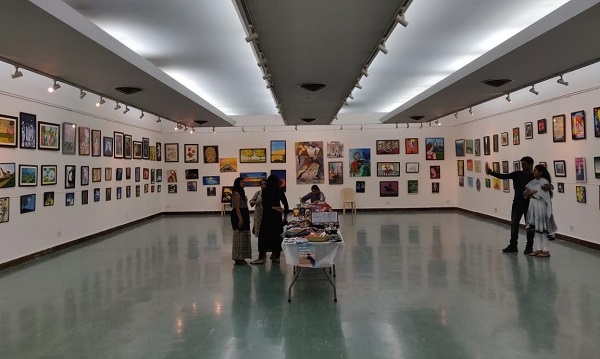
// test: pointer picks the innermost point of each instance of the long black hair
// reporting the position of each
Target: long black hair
(237, 187)
(545, 174)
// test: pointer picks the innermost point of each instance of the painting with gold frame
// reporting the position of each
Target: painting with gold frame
(253, 155)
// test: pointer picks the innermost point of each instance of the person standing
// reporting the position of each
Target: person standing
(240, 223)
(539, 217)
(256, 202)
(274, 205)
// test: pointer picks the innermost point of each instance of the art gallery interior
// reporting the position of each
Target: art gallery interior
(134, 260)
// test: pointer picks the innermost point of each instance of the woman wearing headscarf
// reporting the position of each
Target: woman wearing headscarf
(240, 223)
(256, 202)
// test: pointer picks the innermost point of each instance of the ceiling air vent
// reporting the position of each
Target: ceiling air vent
(128, 90)
(417, 118)
(200, 122)
(312, 87)
(307, 120)
(496, 82)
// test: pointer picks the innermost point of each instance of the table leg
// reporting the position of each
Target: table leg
(332, 284)
(297, 273)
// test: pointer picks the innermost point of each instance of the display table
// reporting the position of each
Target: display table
(304, 254)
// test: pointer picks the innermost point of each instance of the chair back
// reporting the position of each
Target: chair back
(347, 195)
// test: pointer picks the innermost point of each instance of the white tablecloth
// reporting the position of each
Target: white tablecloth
(322, 254)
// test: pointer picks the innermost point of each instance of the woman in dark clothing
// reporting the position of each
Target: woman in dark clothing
(274, 205)
(240, 223)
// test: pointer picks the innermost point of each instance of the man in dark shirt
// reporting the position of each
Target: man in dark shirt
(520, 203)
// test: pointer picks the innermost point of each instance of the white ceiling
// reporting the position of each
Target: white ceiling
(192, 61)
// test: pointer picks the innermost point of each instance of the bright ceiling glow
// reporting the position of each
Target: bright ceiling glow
(130, 38)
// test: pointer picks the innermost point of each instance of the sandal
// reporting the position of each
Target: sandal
(544, 254)
(240, 262)
(535, 254)
(258, 261)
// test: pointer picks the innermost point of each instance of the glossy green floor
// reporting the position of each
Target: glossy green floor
(413, 285)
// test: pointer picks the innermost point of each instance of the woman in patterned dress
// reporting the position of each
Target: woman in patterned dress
(240, 223)
(539, 215)
(256, 202)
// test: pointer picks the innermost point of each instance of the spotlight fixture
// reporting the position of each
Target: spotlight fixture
(341, 127)
(243, 129)
(382, 48)
(335, 117)
(54, 87)
(101, 102)
(267, 76)
(192, 130)
(214, 129)
(278, 106)
(429, 123)
(17, 73)
(345, 103)
(117, 106)
(264, 128)
(126, 109)
(73, 125)
(421, 125)
(142, 115)
(364, 72)
(176, 127)
(396, 125)
(296, 127)
(456, 115)
(82, 94)
(407, 125)
(508, 98)
(437, 122)
(269, 85)
(253, 35)
(350, 96)
(402, 20)
(560, 81)
(262, 61)
(533, 91)
(471, 111)
(361, 127)
(357, 85)
(158, 120)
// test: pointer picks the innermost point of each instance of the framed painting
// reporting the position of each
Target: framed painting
(253, 155)
(85, 141)
(580, 170)
(388, 189)
(434, 148)
(360, 162)
(4, 209)
(282, 175)
(469, 165)
(8, 131)
(335, 149)
(496, 166)
(360, 186)
(119, 144)
(159, 175)
(252, 179)
(226, 194)
(528, 130)
(477, 147)
(211, 180)
(516, 166)
(578, 125)
(459, 146)
(85, 175)
(69, 199)
(596, 121)
(48, 199)
(158, 151)
(108, 174)
(486, 145)
(504, 137)
(516, 136)
(211, 154)
(96, 143)
(278, 152)
(541, 125)
(336, 172)
(310, 168)
(434, 172)
(477, 166)
(48, 175)
(560, 168)
(388, 169)
(108, 194)
(192, 186)
(580, 194)
(119, 174)
(171, 176)
(69, 138)
(192, 173)
(560, 187)
(411, 146)
(171, 152)
(146, 173)
(28, 203)
(119, 192)
(70, 176)
(28, 129)
(227, 164)
(137, 150)
(8, 174)
(84, 197)
(469, 147)
(558, 128)
(387, 147)
(28, 175)
(505, 167)
(412, 167)
(145, 148)
(412, 186)
(96, 174)
(127, 147)
(596, 167)
(495, 142)
(190, 153)
(128, 191)
(435, 187)
(107, 143)
(211, 191)
(48, 136)
(460, 167)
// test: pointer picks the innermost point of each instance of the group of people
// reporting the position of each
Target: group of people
(533, 199)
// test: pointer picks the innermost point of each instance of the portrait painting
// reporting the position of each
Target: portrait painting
(360, 162)
(211, 154)
(310, 167)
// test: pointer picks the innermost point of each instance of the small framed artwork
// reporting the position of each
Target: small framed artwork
(495, 143)
(470, 182)
(278, 151)
(360, 186)
(558, 128)
(578, 125)
(504, 166)
(506, 185)
(516, 136)
(191, 153)
(211, 180)
(469, 165)
(159, 188)
(8, 131)
(119, 144)
(504, 137)
(48, 199)
(192, 186)
(191, 173)
(28, 203)
(69, 199)
(434, 172)
(469, 147)
(413, 186)
(388, 189)
(158, 151)
(96, 194)
(146, 173)
(460, 167)
(596, 121)
(211, 191)
(70, 176)
(477, 147)
(226, 193)
(227, 164)
(96, 143)
(69, 138)
(96, 174)
(137, 150)
(158, 175)
(28, 175)
(335, 149)
(119, 174)
(516, 166)
(4, 209)
(528, 130)
(544, 164)
(560, 168)
(28, 130)
(48, 136)
(477, 166)
(461, 181)
(107, 143)
(388, 147)
(486, 145)
(560, 186)
(127, 147)
(596, 167)
(388, 169)
(145, 148)
(152, 153)
(336, 172)
(49, 174)
(580, 171)
(412, 167)
(496, 167)
(85, 141)
(282, 175)
(411, 146)
(435, 187)
(128, 192)
(108, 174)
(84, 197)
(108, 194)
(172, 176)
(152, 176)
(171, 152)
(434, 148)
(253, 179)
(541, 125)
(85, 175)
(253, 155)
(172, 189)
(580, 194)
(138, 190)
(460, 147)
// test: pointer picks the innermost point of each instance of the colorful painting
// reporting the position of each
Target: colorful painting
(97, 143)
(336, 172)
(281, 174)
(580, 194)
(360, 162)
(434, 148)
(28, 175)
(49, 174)
(28, 127)
(8, 131)
(388, 189)
(28, 203)
(411, 146)
(578, 125)
(310, 168)
(4, 209)
(278, 153)
(7, 175)
(85, 141)
(360, 186)
(469, 147)
(252, 179)
(253, 155)
(171, 152)
(388, 169)
(211, 180)
(413, 186)
(226, 194)
(541, 125)
(470, 165)
(596, 121)
(387, 147)
(580, 172)
(48, 135)
(434, 172)
(211, 154)
(335, 149)
(516, 136)
(504, 137)
(190, 153)
(227, 164)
